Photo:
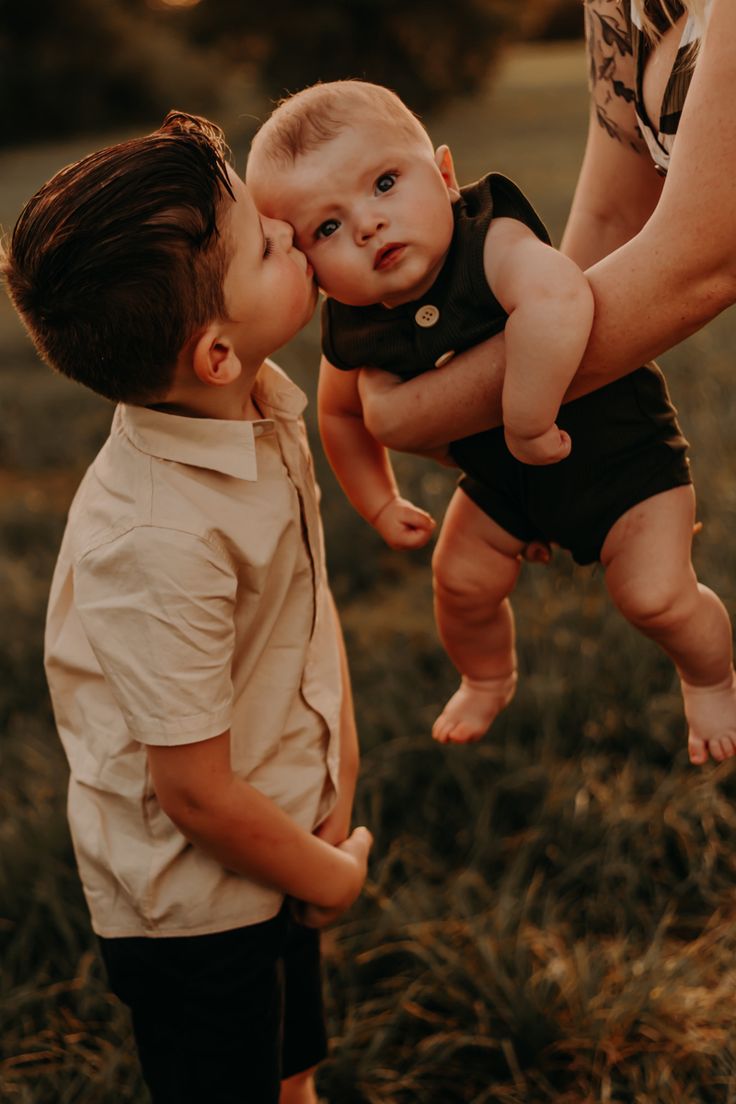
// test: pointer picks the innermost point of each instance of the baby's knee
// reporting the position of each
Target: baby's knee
(454, 578)
(655, 603)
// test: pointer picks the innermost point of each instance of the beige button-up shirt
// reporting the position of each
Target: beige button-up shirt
(190, 597)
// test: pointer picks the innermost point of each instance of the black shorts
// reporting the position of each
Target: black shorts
(222, 1018)
(626, 447)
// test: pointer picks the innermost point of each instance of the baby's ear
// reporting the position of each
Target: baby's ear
(214, 359)
(443, 160)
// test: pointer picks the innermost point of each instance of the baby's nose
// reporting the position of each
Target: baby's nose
(369, 225)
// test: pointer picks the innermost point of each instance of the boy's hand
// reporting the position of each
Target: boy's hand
(335, 827)
(357, 847)
(403, 525)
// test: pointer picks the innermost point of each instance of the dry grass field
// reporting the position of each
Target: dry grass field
(549, 915)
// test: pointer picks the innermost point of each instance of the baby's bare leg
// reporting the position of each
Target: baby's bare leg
(651, 579)
(475, 567)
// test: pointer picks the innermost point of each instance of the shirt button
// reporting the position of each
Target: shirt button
(427, 315)
(441, 361)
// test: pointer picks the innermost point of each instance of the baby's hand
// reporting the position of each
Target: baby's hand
(403, 525)
(547, 448)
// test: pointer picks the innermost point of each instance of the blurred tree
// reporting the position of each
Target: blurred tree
(426, 50)
(86, 65)
(556, 19)
(82, 65)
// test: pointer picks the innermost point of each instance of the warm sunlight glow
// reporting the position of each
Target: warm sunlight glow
(179, 3)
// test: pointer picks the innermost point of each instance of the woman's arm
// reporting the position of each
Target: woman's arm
(604, 215)
(673, 262)
(679, 271)
(426, 413)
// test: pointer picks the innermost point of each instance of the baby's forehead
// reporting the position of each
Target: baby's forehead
(289, 181)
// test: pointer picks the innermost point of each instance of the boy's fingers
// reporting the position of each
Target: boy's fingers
(359, 842)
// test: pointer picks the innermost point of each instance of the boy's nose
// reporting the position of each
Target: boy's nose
(282, 232)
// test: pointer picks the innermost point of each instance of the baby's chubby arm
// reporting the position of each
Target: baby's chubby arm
(248, 833)
(463, 397)
(362, 465)
(550, 307)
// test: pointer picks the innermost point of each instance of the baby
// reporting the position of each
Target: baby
(415, 271)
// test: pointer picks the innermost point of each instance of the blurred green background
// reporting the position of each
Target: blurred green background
(83, 65)
(549, 913)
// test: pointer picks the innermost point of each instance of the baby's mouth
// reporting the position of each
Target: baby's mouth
(388, 256)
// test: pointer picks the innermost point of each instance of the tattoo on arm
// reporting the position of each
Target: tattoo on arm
(611, 69)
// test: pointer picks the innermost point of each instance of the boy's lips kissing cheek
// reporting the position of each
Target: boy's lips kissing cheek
(388, 255)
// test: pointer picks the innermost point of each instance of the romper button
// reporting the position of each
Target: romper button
(441, 361)
(427, 315)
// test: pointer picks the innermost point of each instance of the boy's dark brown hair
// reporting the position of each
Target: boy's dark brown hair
(117, 262)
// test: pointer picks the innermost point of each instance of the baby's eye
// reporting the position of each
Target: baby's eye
(386, 182)
(327, 229)
(267, 247)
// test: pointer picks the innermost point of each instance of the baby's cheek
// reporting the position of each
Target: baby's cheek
(335, 275)
(324, 276)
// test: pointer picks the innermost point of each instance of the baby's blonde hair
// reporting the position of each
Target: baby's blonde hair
(695, 8)
(306, 120)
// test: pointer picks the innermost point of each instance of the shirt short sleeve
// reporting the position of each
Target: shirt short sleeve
(157, 608)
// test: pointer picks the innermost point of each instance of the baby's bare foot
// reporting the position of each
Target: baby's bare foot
(711, 718)
(473, 708)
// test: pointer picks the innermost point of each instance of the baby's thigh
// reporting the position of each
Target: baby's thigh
(474, 552)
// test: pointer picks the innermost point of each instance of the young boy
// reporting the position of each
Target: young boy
(193, 651)
(416, 271)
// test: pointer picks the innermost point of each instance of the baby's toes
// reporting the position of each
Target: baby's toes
(716, 747)
(697, 750)
(464, 734)
(443, 729)
(727, 747)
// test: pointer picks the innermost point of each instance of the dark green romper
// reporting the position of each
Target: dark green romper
(626, 443)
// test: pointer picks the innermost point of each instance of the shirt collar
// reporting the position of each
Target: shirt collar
(273, 390)
(216, 444)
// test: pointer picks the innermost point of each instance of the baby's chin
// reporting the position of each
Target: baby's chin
(347, 300)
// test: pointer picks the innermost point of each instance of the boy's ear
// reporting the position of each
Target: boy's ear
(214, 359)
(443, 160)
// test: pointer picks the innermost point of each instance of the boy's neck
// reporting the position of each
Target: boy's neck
(193, 399)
